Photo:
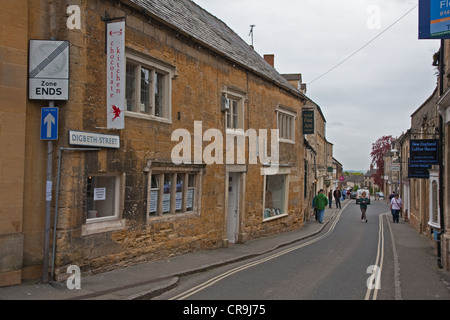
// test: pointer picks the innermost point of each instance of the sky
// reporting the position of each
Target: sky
(383, 72)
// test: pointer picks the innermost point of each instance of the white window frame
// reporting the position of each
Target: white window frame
(117, 199)
(155, 67)
(268, 171)
(286, 124)
(236, 99)
(434, 199)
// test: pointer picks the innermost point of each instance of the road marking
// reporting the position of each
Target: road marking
(398, 290)
(224, 275)
(376, 272)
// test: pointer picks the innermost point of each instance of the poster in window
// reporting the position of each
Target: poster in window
(178, 200)
(190, 198)
(153, 200)
(166, 202)
(99, 194)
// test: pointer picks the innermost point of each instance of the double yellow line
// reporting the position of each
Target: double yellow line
(224, 275)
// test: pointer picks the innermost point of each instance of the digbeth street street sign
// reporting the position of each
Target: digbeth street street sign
(48, 70)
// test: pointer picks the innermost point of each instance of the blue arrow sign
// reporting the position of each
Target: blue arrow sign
(49, 123)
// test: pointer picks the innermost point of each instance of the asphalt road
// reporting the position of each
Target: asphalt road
(349, 260)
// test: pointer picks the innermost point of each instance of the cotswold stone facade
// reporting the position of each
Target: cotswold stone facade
(186, 72)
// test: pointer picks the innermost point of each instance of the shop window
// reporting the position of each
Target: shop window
(173, 193)
(275, 195)
(102, 193)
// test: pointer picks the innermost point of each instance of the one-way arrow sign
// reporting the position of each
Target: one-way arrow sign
(49, 123)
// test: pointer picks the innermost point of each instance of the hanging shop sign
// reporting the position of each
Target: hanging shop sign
(422, 155)
(424, 152)
(115, 71)
(308, 121)
(434, 19)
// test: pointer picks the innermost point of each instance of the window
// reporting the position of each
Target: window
(286, 125)
(434, 204)
(179, 192)
(275, 195)
(434, 219)
(148, 88)
(234, 113)
(102, 197)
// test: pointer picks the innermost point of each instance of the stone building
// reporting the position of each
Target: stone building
(196, 164)
(424, 122)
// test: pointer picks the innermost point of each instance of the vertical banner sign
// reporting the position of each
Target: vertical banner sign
(115, 71)
(308, 121)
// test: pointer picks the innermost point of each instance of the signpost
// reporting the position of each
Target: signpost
(48, 79)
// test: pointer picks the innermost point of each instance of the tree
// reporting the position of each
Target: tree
(379, 149)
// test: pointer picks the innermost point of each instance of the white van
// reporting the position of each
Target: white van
(359, 194)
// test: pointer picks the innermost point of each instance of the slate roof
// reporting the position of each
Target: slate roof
(192, 20)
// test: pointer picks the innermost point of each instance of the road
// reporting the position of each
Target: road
(349, 260)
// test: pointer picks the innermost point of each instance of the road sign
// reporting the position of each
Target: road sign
(434, 19)
(48, 72)
(49, 123)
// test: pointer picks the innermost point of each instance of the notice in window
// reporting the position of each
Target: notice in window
(99, 194)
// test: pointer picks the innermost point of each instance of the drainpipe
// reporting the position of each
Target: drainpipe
(441, 158)
(57, 197)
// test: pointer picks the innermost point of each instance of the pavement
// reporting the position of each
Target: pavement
(148, 280)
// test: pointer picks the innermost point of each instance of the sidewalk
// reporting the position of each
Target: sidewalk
(147, 280)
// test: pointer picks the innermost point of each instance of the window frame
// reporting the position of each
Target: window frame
(286, 124)
(155, 67)
(187, 173)
(267, 172)
(236, 99)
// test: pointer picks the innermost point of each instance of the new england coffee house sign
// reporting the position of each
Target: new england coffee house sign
(422, 155)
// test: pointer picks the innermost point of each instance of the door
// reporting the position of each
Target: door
(233, 207)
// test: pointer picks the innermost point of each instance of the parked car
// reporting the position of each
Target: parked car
(380, 195)
(353, 195)
(359, 195)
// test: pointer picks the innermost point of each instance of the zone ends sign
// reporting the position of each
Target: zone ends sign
(48, 72)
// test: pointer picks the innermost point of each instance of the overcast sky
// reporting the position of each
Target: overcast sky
(370, 95)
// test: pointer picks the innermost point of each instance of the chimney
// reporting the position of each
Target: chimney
(270, 59)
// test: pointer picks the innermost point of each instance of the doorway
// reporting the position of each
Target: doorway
(233, 207)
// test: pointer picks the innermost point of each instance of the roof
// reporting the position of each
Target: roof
(190, 19)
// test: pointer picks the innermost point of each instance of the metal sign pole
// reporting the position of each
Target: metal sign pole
(48, 199)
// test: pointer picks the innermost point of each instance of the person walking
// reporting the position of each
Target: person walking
(320, 202)
(330, 198)
(314, 207)
(396, 207)
(337, 197)
(363, 201)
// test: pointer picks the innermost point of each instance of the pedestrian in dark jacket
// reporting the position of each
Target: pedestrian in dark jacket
(330, 198)
(337, 197)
